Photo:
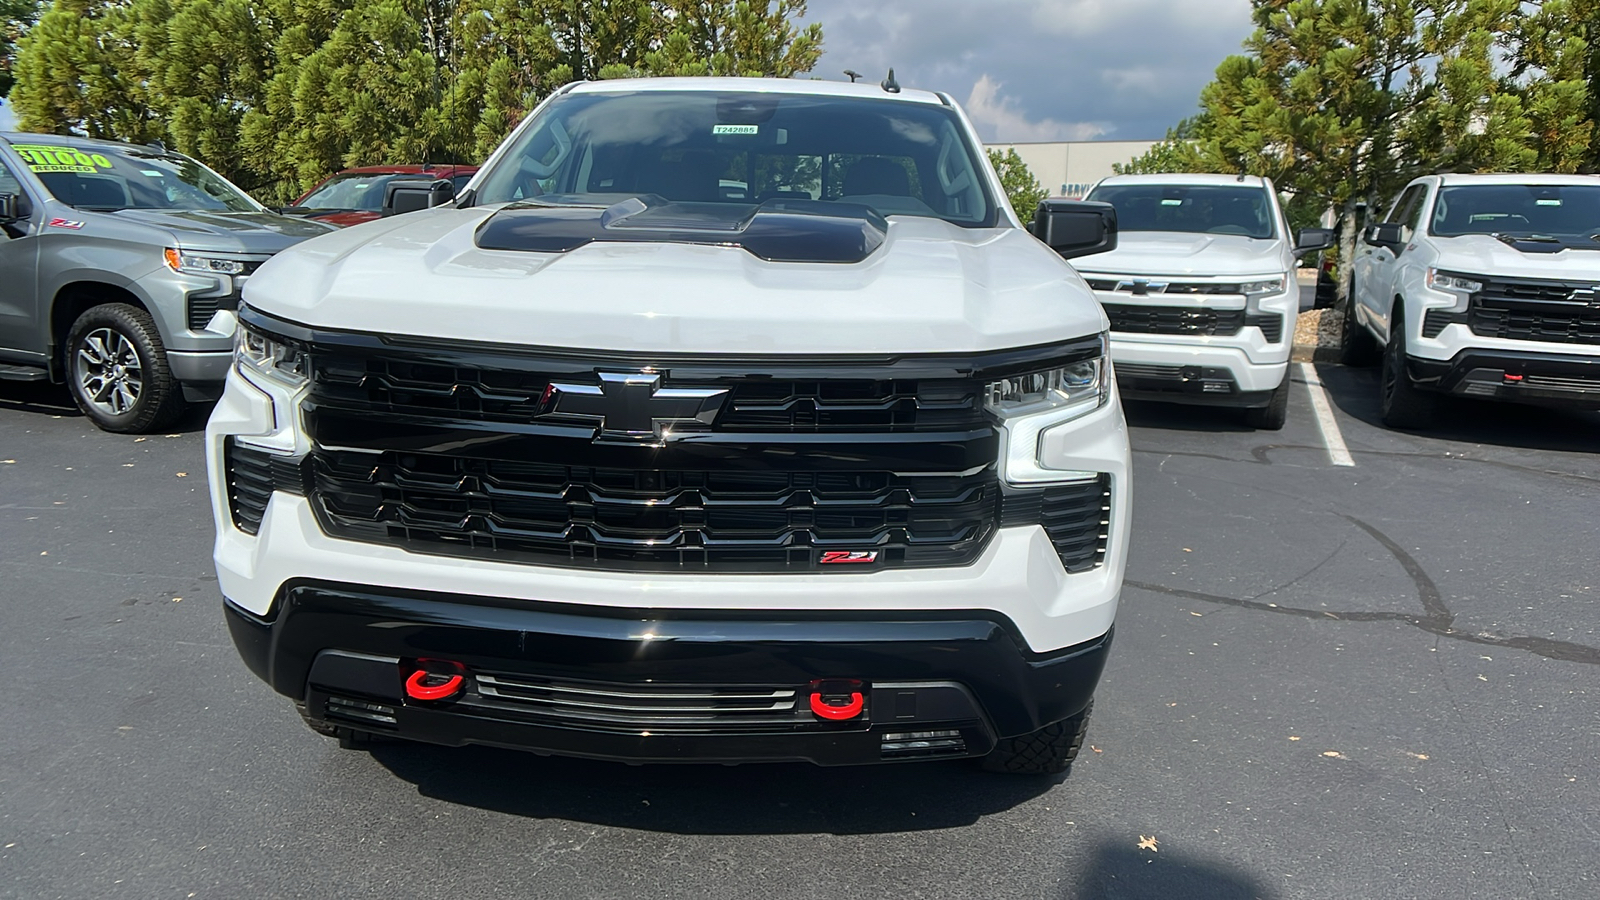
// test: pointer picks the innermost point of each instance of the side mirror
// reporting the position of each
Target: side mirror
(1387, 234)
(1313, 240)
(1076, 228)
(12, 208)
(409, 196)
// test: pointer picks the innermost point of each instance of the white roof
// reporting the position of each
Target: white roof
(1183, 178)
(756, 85)
(1526, 178)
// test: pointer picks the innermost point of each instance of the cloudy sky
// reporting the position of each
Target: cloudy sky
(1041, 70)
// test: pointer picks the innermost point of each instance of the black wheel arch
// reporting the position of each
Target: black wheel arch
(73, 300)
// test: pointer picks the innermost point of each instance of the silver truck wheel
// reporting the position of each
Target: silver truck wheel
(117, 369)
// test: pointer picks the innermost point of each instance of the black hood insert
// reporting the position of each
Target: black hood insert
(801, 231)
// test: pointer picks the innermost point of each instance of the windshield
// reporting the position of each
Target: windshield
(1558, 211)
(897, 157)
(1193, 209)
(98, 178)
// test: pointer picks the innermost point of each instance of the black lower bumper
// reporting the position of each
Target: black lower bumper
(1194, 385)
(1546, 379)
(548, 677)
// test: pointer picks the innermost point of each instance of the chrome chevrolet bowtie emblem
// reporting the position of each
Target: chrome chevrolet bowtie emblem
(633, 406)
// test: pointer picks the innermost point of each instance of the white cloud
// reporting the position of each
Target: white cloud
(999, 119)
(1126, 69)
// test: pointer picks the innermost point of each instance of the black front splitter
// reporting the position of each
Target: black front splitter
(341, 653)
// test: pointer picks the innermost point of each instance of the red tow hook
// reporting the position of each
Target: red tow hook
(432, 685)
(837, 699)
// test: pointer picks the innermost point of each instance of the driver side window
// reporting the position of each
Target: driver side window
(1407, 210)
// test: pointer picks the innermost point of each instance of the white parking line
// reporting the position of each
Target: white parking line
(1338, 453)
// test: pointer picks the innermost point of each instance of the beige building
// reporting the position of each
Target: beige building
(1071, 168)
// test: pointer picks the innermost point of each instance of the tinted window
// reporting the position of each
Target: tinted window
(1196, 209)
(90, 176)
(897, 157)
(1523, 209)
(351, 190)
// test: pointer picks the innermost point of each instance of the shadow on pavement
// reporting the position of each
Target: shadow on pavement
(1128, 873)
(781, 798)
(1355, 393)
(48, 399)
(1181, 417)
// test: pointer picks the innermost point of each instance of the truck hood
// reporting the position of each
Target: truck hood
(1173, 253)
(930, 287)
(1482, 254)
(228, 232)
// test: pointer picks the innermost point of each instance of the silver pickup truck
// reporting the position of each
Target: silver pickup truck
(113, 260)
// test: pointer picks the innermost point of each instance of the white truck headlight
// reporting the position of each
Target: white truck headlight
(1082, 386)
(269, 356)
(1256, 291)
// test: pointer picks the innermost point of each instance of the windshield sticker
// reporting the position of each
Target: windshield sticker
(45, 158)
(153, 173)
(736, 129)
(1553, 201)
(1171, 201)
(65, 223)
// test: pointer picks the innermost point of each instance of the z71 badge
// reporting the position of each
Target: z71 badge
(836, 557)
(65, 223)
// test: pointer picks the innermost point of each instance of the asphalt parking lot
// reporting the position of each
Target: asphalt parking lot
(1375, 680)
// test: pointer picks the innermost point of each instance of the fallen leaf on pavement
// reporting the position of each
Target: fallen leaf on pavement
(1294, 737)
(1095, 749)
(1148, 843)
(1333, 754)
(1416, 755)
(183, 474)
(140, 440)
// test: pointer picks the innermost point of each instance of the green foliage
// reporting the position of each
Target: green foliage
(18, 17)
(1022, 189)
(277, 94)
(1341, 102)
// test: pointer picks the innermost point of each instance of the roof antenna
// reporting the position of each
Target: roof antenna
(890, 85)
(853, 75)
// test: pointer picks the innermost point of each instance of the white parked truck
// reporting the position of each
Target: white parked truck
(1201, 291)
(717, 419)
(1484, 286)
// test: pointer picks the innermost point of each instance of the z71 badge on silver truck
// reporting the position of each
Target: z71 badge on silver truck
(718, 420)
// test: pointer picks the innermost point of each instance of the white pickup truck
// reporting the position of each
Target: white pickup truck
(1201, 291)
(1483, 286)
(719, 419)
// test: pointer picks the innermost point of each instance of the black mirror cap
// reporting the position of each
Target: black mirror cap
(12, 207)
(1313, 240)
(409, 196)
(1075, 228)
(1387, 234)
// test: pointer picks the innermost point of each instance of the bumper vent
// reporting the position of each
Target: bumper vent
(1076, 517)
(1271, 325)
(646, 706)
(252, 476)
(1435, 321)
(361, 712)
(916, 744)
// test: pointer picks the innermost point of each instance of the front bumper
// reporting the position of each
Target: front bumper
(1205, 373)
(1519, 376)
(933, 686)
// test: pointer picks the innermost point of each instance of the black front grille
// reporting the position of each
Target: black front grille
(763, 405)
(1536, 310)
(653, 519)
(252, 476)
(1174, 319)
(1076, 517)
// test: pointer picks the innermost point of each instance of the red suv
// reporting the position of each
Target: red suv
(356, 195)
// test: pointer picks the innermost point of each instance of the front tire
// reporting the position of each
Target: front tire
(1272, 416)
(117, 370)
(1048, 751)
(1405, 406)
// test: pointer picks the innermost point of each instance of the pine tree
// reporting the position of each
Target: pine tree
(18, 17)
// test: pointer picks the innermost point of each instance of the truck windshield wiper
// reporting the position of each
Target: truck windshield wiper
(1512, 236)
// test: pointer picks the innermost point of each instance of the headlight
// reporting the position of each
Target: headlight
(1080, 384)
(1256, 291)
(1451, 283)
(181, 261)
(269, 356)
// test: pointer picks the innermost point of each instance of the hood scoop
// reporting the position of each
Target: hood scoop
(801, 231)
